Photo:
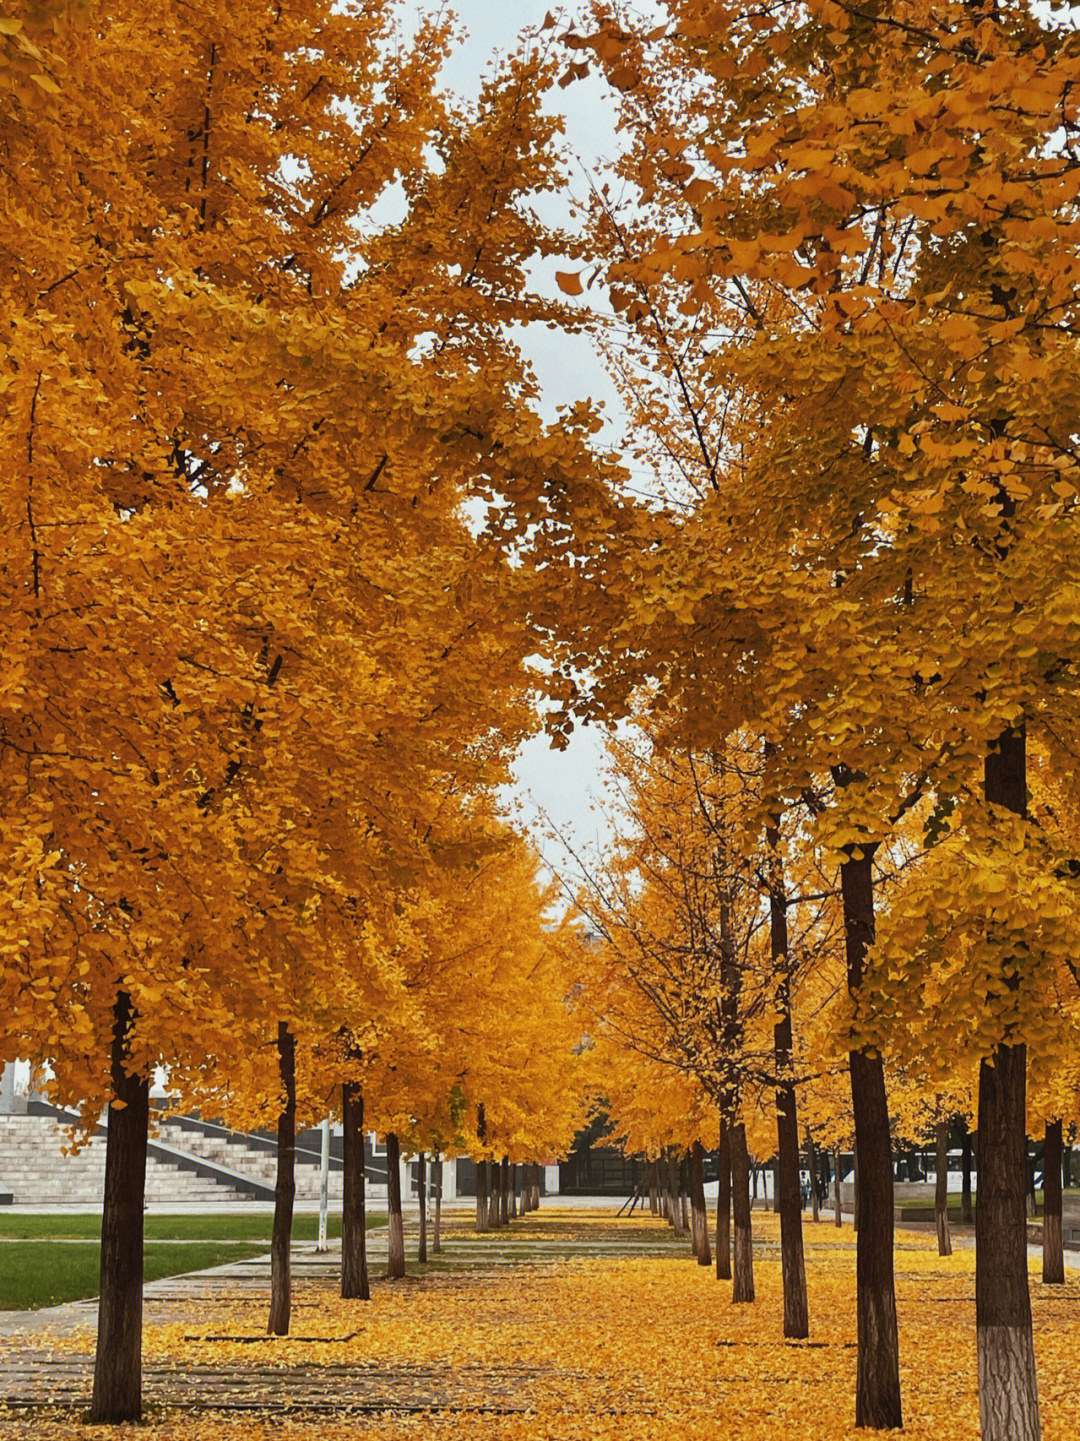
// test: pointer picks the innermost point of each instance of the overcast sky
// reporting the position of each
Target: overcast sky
(564, 786)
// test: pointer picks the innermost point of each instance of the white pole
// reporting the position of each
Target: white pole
(324, 1186)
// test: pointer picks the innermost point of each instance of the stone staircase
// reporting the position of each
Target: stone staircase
(36, 1171)
(253, 1155)
(189, 1162)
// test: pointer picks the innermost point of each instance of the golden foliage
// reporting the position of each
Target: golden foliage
(618, 1347)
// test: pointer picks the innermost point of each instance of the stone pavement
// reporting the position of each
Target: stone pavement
(39, 1370)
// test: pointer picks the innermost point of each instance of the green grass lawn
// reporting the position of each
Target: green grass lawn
(230, 1227)
(924, 1210)
(34, 1273)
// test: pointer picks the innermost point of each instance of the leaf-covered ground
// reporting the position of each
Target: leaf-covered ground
(559, 1344)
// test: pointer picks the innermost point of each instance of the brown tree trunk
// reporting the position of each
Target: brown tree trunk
(436, 1230)
(1008, 1394)
(877, 1391)
(284, 1189)
(654, 1196)
(684, 1196)
(481, 1196)
(698, 1213)
(786, 1192)
(513, 1212)
(674, 1191)
(967, 1215)
(1053, 1254)
(789, 1203)
(815, 1177)
(941, 1191)
(481, 1170)
(837, 1203)
(504, 1192)
(395, 1264)
(494, 1217)
(1008, 1390)
(743, 1268)
(723, 1205)
(117, 1394)
(354, 1271)
(421, 1196)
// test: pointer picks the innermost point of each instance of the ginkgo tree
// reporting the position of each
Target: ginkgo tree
(244, 616)
(705, 953)
(869, 219)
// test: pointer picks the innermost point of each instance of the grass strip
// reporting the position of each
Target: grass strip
(231, 1226)
(32, 1275)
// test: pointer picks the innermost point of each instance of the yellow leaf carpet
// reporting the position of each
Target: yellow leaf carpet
(526, 1334)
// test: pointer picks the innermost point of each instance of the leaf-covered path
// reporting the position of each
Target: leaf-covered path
(571, 1324)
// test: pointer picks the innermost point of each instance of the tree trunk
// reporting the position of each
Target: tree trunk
(941, 1191)
(1053, 1254)
(117, 1394)
(877, 1392)
(284, 1189)
(504, 1192)
(654, 1199)
(789, 1203)
(698, 1213)
(494, 1216)
(481, 1196)
(436, 1230)
(395, 1265)
(421, 1196)
(967, 1215)
(1008, 1391)
(674, 1193)
(481, 1170)
(684, 1199)
(354, 1271)
(837, 1204)
(855, 1188)
(723, 1205)
(787, 1197)
(512, 1205)
(743, 1268)
(815, 1178)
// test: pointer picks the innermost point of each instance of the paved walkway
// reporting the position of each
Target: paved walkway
(38, 1370)
(44, 1366)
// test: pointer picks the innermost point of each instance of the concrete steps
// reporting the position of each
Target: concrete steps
(38, 1167)
(190, 1162)
(251, 1157)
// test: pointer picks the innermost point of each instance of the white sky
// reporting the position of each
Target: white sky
(563, 786)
